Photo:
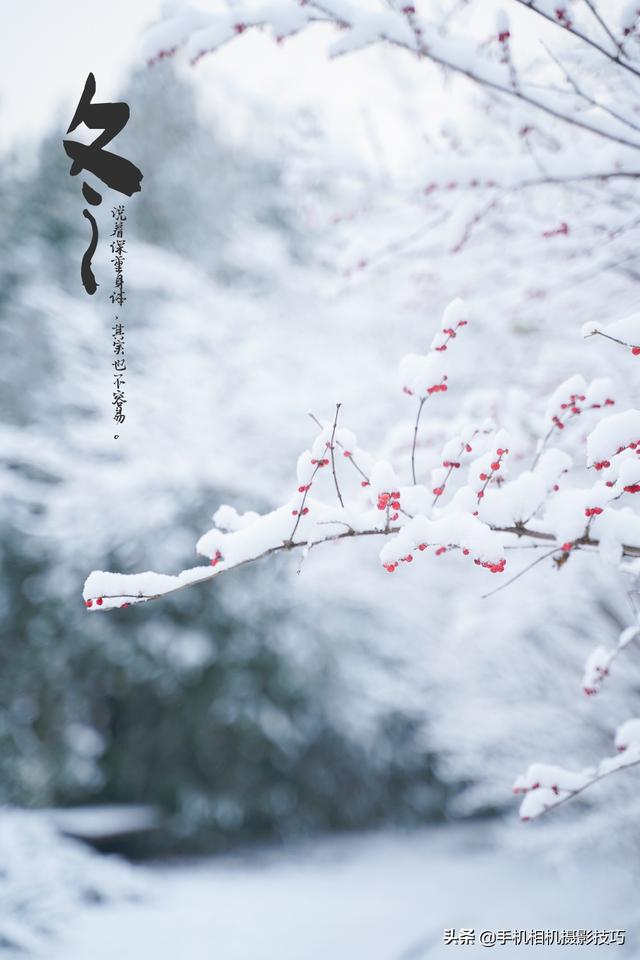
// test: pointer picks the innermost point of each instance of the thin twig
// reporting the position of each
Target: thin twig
(607, 336)
(580, 35)
(415, 439)
(605, 27)
(333, 459)
(544, 556)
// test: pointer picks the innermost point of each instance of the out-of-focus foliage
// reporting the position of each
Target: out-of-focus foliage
(226, 706)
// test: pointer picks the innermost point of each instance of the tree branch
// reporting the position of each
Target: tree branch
(518, 530)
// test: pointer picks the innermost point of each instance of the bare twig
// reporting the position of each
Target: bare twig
(333, 459)
(521, 573)
(415, 438)
(605, 27)
(529, 4)
(607, 336)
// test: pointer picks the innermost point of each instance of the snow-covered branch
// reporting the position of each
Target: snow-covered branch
(545, 786)
(491, 64)
(477, 518)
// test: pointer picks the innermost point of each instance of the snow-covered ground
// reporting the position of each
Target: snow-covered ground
(371, 897)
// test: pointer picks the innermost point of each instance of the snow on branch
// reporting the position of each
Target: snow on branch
(598, 665)
(490, 64)
(342, 491)
(626, 332)
(546, 786)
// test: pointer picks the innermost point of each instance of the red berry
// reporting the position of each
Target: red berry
(422, 547)
(365, 483)
(484, 476)
(347, 453)
(123, 606)
(495, 465)
(89, 603)
(99, 601)
(438, 491)
(305, 511)
(395, 504)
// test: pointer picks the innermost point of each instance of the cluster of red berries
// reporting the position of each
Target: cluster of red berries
(450, 334)
(602, 672)
(572, 406)
(216, 560)
(534, 786)
(495, 466)
(390, 501)
(503, 36)
(320, 463)
(390, 567)
(563, 17)
(160, 55)
(632, 488)
(89, 603)
(634, 445)
(497, 567)
(303, 512)
(602, 464)
(560, 231)
(304, 488)
(592, 511)
(438, 387)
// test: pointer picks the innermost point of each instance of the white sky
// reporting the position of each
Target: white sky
(47, 49)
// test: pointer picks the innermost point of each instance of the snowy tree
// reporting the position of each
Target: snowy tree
(572, 115)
